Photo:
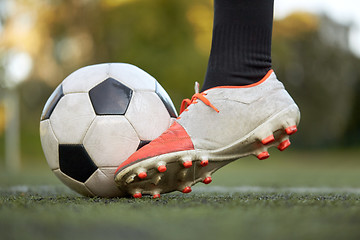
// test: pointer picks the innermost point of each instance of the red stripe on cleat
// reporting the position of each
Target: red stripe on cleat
(137, 195)
(156, 196)
(268, 140)
(207, 180)
(291, 130)
(284, 145)
(187, 164)
(187, 190)
(162, 168)
(142, 175)
(263, 155)
(204, 163)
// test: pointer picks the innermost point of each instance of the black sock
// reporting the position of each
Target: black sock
(241, 45)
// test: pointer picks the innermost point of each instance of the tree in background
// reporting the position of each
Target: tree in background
(171, 40)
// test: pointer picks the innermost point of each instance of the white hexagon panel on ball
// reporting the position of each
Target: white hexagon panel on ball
(110, 140)
(72, 117)
(148, 115)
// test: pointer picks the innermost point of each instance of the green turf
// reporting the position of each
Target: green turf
(35, 205)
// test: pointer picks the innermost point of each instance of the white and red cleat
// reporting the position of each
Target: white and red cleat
(215, 127)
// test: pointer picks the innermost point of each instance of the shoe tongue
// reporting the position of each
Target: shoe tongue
(197, 86)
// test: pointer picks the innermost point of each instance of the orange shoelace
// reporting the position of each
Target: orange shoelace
(201, 96)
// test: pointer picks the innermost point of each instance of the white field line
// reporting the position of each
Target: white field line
(255, 189)
(59, 189)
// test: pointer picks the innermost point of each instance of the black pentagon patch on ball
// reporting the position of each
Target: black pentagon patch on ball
(110, 97)
(52, 102)
(143, 143)
(75, 162)
(160, 91)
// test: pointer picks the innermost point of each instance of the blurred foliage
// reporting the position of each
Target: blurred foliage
(171, 40)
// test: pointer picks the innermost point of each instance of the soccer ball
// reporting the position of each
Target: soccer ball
(96, 118)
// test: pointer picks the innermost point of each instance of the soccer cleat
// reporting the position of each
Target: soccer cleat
(215, 127)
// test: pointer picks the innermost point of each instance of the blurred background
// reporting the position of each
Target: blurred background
(316, 49)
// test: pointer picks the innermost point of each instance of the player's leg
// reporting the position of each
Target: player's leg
(241, 43)
(242, 111)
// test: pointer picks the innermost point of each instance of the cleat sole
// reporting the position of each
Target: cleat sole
(186, 168)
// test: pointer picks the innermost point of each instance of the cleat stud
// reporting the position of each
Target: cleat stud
(186, 190)
(284, 145)
(130, 179)
(268, 140)
(187, 164)
(291, 130)
(142, 175)
(263, 156)
(156, 180)
(207, 180)
(156, 196)
(137, 195)
(162, 168)
(204, 162)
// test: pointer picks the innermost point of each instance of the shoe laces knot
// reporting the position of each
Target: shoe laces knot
(197, 96)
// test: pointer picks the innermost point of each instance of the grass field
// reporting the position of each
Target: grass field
(292, 195)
